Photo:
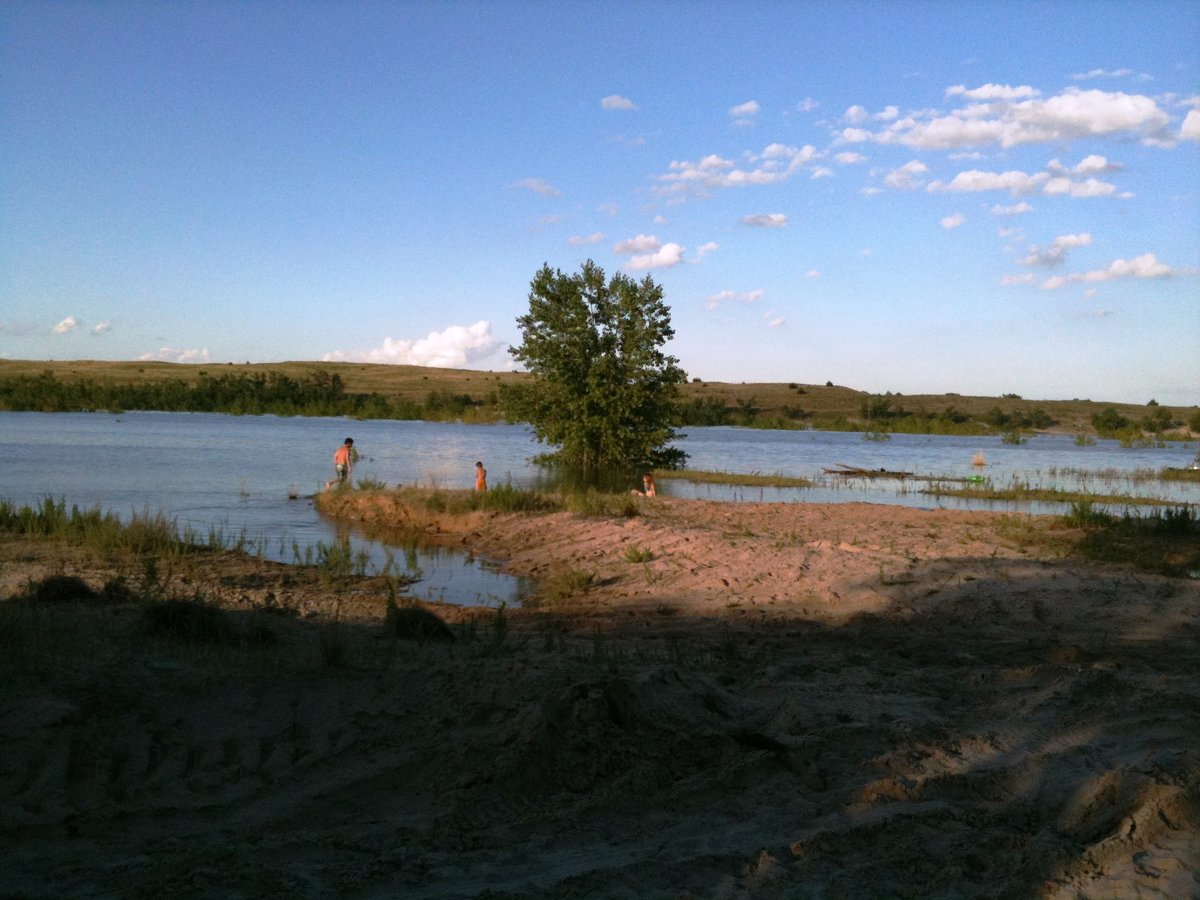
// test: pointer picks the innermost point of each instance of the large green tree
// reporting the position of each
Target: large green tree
(602, 389)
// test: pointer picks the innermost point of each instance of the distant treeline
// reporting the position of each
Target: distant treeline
(318, 394)
(322, 393)
(877, 413)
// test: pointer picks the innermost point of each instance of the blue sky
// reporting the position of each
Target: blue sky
(981, 197)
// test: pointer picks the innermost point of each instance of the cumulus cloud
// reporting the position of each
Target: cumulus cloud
(1145, 266)
(538, 186)
(849, 158)
(1015, 182)
(821, 172)
(455, 347)
(953, 220)
(172, 354)
(808, 104)
(66, 326)
(706, 249)
(812, 273)
(641, 244)
(616, 101)
(1008, 116)
(907, 177)
(744, 113)
(585, 240)
(766, 220)
(101, 328)
(648, 252)
(1015, 210)
(1191, 126)
(774, 321)
(1089, 165)
(664, 257)
(1090, 187)
(1056, 253)
(776, 163)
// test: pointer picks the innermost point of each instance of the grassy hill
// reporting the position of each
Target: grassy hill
(756, 403)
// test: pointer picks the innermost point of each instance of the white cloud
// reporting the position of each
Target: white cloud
(539, 187)
(856, 115)
(171, 354)
(1026, 278)
(1015, 210)
(616, 101)
(812, 273)
(1008, 116)
(102, 328)
(776, 163)
(1089, 165)
(905, 177)
(1191, 126)
(640, 244)
(808, 104)
(821, 172)
(1145, 266)
(1090, 187)
(1056, 253)
(993, 92)
(705, 249)
(665, 257)
(454, 347)
(1115, 73)
(745, 110)
(715, 300)
(67, 325)
(584, 241)
(774, 321)
(766, 220)
(953, 220)
(849, 158)
(974, 180)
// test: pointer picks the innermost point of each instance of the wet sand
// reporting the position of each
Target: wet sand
(745, 700)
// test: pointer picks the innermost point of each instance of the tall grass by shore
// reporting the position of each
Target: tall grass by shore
(144, 533)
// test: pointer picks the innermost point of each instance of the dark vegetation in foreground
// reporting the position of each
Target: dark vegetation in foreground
(413, 392)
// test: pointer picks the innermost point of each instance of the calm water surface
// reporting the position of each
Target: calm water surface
(236, 474)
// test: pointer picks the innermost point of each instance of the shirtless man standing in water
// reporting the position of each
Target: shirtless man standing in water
(343, 462)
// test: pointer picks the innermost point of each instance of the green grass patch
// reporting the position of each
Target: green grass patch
(639, 554)
(1165, 541)
(1191, 475)
(741, 479)
(567, 585)
(1023, 493)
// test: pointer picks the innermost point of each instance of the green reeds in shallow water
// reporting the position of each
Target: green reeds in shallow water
(1019, 492)
(742, 479)
(143, 533)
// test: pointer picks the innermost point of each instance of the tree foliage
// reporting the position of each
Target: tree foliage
(602, 389)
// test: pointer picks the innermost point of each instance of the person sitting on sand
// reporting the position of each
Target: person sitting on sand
(480, 476)
(343, 462)
(647, 486)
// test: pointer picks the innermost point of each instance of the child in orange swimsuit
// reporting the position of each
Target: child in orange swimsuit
(480, 477)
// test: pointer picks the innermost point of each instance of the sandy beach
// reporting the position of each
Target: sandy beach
(705, 700)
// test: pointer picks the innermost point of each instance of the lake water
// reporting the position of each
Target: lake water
(238, 474)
